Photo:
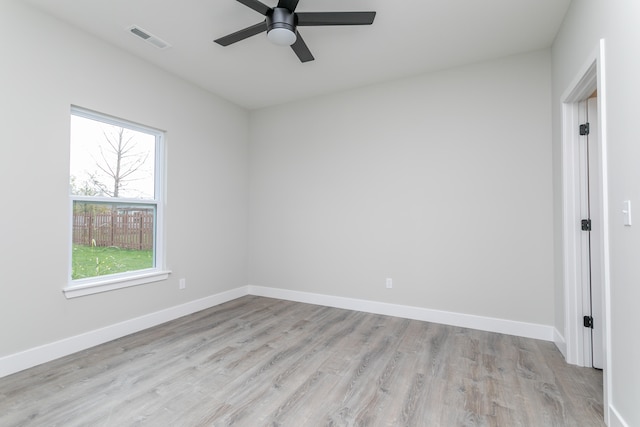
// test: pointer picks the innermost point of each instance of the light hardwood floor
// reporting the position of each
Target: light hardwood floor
(257, 361)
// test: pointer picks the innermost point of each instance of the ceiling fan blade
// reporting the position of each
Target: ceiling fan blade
(242, 34)
(310, 19)
(257, 6)
(301, 49)
(288, 4)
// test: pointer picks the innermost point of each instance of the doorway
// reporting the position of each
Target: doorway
(584, 198)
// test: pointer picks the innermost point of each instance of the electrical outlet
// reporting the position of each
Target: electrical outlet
(182, 284)
(389, 283)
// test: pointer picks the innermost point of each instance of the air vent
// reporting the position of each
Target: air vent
(148, 37)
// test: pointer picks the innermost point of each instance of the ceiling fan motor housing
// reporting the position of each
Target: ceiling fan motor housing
(281, 17)
(281, 26)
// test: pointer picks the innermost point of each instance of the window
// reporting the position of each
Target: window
(116, 188)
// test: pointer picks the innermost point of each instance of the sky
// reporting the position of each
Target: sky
(87, 139)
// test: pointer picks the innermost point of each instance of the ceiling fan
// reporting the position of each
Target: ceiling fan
(281, 24)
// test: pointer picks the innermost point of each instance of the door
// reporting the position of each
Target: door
(592, 240)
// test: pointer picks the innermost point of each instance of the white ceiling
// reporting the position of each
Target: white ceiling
(408, 37)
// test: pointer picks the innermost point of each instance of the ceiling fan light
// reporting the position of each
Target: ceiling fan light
(281, 36)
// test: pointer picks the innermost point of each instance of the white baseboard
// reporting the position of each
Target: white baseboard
(615, 419)
(560, 342)
(35, 356)
(490, 324)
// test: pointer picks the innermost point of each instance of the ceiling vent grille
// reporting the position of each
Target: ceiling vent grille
(148, 37)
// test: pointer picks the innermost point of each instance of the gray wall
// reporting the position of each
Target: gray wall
(46, 67)
(441, 182)
(617, 22)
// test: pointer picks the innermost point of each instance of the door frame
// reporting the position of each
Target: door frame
(591, 77)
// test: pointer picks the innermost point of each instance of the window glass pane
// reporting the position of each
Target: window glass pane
(111, 161)
(116, 195)
(110, 238)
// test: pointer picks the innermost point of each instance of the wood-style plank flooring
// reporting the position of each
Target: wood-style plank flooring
(264, 362)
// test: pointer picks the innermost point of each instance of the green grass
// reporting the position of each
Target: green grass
(89, 261)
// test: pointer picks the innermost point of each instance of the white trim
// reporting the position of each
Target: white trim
(490, 324)
(606, 272)
(111, 282)
(615, 419)
(35, 356)
(584, 82)
(112, 120)
(560, 342)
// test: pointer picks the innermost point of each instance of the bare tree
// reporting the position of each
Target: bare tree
(119, 160)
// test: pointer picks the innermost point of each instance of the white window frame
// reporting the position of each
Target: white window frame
(97, 284)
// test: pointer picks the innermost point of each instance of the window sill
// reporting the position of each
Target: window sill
(91, 286)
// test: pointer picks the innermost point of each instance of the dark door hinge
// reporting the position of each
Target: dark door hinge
(587, 321)
(585, 224)
(584, 129)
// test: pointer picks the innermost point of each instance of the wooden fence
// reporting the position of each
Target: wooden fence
(126, 230)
